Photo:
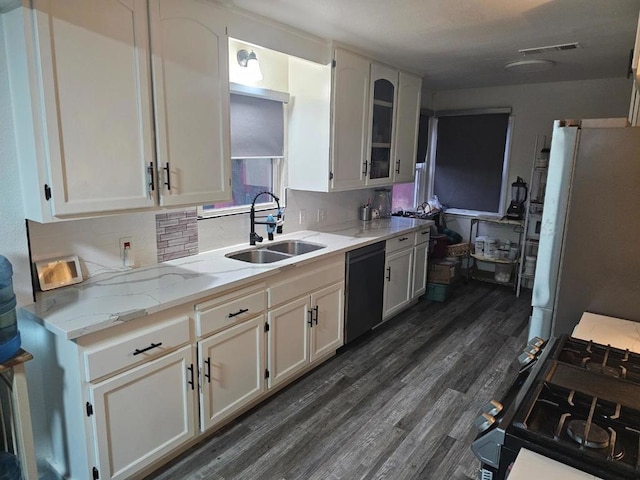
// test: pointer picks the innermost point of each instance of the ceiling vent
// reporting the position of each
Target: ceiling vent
(550, 48)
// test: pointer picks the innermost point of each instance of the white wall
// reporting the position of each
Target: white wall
(535, 107)
(274, 67)
(13, 239)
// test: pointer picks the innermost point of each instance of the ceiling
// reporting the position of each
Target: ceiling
(466, 43)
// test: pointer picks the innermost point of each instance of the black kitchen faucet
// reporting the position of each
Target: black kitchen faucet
(277, 223)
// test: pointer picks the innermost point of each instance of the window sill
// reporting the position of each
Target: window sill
(228, 212)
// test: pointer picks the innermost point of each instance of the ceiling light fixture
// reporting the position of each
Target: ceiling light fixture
(250, 62)
(529, 66)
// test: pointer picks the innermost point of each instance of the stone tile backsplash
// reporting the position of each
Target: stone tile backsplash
(176, 234)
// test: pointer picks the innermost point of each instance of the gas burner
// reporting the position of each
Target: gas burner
(598, 437)
(604, 369)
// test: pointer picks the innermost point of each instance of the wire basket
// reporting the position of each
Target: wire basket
(458, 249)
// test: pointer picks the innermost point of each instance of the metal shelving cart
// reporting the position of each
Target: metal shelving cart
(533, 218)
(473, 259)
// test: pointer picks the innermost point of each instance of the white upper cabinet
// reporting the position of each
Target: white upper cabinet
(82, 99)
(409, 96)
(350, 106)
(374, 112)
(96, 103)
(382, 134)
(191, 83)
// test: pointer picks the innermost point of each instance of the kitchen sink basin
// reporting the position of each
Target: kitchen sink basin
(275, 252)
(258, 256)
(294, 247)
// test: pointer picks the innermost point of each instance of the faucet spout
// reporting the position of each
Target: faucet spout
(253, 236)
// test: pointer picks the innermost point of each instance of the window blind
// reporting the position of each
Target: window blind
(470, 156)
(257, 127)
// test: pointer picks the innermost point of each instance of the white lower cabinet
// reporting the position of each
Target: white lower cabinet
(142, 414)
(420, 259)
(288, 340)
(398, 271)
(326, 332)
(305, 318)
(304, 330)
(119, 402)
(232, 370)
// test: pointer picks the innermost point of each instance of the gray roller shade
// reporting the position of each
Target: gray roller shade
(257, 127)
(470, 155)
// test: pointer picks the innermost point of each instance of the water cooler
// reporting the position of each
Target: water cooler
(9, 334)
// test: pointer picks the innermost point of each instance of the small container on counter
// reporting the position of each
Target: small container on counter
(365, 213)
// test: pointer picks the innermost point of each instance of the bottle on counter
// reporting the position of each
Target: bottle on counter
(9, 334)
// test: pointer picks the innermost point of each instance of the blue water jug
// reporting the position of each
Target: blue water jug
(9, 334)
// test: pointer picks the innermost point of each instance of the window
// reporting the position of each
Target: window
(469, 160)
(407, 196)
(257, 150)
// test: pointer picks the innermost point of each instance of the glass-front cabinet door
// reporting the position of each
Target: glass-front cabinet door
(384, 93)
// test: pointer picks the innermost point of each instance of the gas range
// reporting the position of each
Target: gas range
(576, 402)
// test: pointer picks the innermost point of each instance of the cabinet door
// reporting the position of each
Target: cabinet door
(232, 370)
(96, 102)
(143, 414)
(191, 82)
(384, 95)
(409, 92)
(327, 330)
(420, 257)
(350, 95)
(288, 340)
(397, 288)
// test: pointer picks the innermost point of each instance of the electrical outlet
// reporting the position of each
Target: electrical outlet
(303, 216)
(322, 215)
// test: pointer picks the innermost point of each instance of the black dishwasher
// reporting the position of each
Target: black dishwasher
(365, 288)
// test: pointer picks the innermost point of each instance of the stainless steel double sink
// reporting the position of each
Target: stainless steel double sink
(275, 252)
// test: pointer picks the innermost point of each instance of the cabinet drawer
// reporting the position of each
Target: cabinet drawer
(231, 309)
(399, 242)
(312, 279)
(135, 348)
(422, 235)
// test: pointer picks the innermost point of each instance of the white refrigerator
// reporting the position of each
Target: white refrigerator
(589, 250)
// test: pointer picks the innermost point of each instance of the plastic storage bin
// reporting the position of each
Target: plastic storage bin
(437, 292)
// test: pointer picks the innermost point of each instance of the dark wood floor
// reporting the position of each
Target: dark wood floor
(397, 404)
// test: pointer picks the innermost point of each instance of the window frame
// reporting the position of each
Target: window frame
(433, 144)
(278, 190)
(279, 163)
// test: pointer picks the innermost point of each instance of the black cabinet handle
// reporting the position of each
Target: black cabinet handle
(426, 232)
(239, 312)
(207, 375)
(365, 163)
(168, 181)
(190, 382)
(402, 239)
(316, 310)
(138, 351)
(310, 321)
(389, 273)
(152, 182)
(398, 166)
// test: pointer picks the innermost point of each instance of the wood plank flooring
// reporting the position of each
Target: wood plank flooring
(396, 404)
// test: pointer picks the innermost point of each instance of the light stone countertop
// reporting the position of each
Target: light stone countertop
(113, 298)
(617, 332)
